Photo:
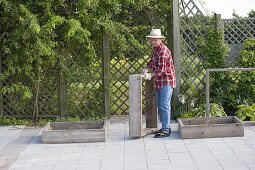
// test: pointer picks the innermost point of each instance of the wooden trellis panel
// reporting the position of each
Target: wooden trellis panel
(236, 31)
(84, 90)
(12, 104)
(121, 68)
(192, 22)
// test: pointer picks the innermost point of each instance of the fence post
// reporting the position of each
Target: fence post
(220, 25)
(61, 91)
(106, 73)
(173, 23)
(207, 81)
(1, 86)
(150, 105)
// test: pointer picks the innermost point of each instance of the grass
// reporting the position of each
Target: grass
(11, 121)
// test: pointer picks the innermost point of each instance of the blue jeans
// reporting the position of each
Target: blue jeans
(163, 101)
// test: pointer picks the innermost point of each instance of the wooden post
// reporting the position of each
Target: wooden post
(207, 81)
(1, 86)
(61, 91)
(220, 24)
(150, 105)
(106, 73)
(174, 45)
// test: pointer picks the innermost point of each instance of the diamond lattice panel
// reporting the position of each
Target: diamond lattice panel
(84, 90)
(236, 31)
(121, 68)
(48, 95)
(15, 106)
(192, 22)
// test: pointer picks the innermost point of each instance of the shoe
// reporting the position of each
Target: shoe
(162, 134)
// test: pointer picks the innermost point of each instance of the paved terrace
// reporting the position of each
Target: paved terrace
(21, 149)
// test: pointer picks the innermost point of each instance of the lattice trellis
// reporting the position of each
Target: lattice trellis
(119, 82)
(48, 95)
(84, 90)
(14, 106)
(236, 31)
(192, 22)
(121, 68)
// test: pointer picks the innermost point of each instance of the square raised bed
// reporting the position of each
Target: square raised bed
(74, 132)
(210, 127)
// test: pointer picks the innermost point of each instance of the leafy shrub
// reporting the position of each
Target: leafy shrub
(211, 48)
(12, 121)
(246, 112)
(216, 110)
(246, 88)
(231, 89)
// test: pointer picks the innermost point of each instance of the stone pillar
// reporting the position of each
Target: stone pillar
(135, 105)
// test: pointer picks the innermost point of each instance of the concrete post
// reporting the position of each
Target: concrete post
(135, 105)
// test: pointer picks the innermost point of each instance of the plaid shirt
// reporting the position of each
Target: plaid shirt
(162, 65)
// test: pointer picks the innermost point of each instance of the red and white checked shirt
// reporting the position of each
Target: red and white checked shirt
(162, 65)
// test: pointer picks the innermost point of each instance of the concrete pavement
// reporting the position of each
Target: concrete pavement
(21, 149)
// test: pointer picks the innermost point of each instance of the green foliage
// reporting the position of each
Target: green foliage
(134, 19)
(251, 14)
(7, 121)
(85, 99)
(247, 53)
(18, 88)
(190, 114)
(227, 88)
(212, 48)
(216, 110)
(234, 88)
(12, 121)
(246, 82)
(246, 112)
(38, 37)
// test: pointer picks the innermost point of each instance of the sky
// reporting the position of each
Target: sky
(226, 7)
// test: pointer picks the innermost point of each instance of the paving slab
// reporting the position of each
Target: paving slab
(25, 151)
(19, 138)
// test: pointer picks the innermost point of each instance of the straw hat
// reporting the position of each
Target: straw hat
(155, 33)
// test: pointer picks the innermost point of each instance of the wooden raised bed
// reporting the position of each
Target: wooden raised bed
(74, 132)
(210, 127)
